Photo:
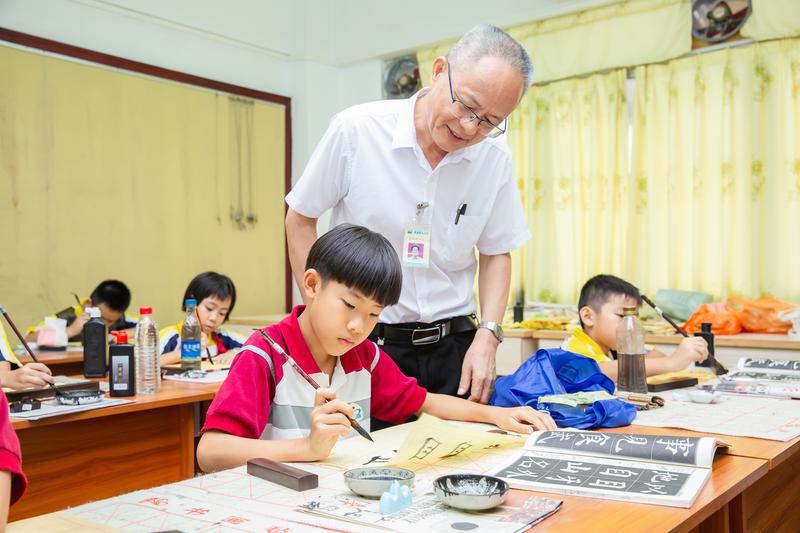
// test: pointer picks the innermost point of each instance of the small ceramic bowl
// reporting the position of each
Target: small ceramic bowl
(471, 492)
(79, 397)
(703, 396)
(373, 482)
(696, 396)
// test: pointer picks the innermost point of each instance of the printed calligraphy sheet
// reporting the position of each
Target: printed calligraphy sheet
(657, 469)
(232, 500)
(762, 418)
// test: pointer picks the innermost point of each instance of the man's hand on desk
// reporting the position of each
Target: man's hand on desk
(478, 371)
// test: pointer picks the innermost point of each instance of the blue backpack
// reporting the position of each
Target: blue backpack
(557, 371)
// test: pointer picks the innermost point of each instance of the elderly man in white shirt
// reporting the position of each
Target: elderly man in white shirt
(434, 175)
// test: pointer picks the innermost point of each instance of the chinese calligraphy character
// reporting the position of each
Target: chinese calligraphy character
(427, 448)
(654, 489)
(558, 436)
(528, 462)
(676, 445)
(591, 438)
(458, 449)
(633, 440)
(617, 472)
(574, 468)
(569, 480)
(608, 484)
(156, 501)
(663, 477)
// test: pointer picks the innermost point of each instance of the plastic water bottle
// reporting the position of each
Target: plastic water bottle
(190, 338)
(630, 353)
(148, 369)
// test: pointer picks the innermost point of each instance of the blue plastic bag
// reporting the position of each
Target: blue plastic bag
(556, 371)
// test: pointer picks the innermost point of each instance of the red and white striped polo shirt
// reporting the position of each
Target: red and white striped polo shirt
(264, 397)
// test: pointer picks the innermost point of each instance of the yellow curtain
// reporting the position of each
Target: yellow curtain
(716, 173)
(773, 19)
(569, 141)
(625, 33)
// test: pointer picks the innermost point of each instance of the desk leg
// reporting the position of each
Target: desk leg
(72, 463)
(773, 502)
(719, 522)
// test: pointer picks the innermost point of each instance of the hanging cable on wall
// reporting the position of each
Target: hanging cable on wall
(241, 167)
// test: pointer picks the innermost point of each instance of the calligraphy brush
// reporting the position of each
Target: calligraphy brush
(718, 367)
(25, 344)
(275, 346)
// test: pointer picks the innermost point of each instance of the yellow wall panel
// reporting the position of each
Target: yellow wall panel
(107, 174)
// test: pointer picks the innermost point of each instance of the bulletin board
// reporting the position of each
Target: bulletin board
(111, 168)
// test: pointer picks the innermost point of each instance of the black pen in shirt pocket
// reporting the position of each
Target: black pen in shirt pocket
(462, 209)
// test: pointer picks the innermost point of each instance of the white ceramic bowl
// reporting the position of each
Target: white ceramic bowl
(372, 482)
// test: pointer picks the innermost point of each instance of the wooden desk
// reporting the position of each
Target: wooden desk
(772, 503)
(522, 343)
(67, 363)
(73, 459)
(710, 512)
(731, 475)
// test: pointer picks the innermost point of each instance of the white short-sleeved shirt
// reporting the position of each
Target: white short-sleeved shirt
(369, 168)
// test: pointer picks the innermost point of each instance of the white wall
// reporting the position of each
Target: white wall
(325, 55)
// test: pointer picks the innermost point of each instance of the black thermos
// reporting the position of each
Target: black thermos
(95, 345)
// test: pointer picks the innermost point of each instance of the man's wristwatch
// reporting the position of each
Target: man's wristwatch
(494, 327)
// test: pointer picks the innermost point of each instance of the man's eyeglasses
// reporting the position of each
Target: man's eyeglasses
(465, 112)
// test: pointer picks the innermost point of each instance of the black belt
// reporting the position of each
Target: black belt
(419, 334)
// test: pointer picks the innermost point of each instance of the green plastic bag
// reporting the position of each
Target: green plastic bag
(679, 305)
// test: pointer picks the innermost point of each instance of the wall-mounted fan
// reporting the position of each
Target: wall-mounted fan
(714, 21)
(401, 77)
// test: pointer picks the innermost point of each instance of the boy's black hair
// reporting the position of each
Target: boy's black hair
(113, 293)
(361, 259)
(599, 289)
(213, 284)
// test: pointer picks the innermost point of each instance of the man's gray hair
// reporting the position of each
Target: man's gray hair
(487, 40)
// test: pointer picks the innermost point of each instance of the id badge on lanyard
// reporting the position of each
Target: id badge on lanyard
(417, 239)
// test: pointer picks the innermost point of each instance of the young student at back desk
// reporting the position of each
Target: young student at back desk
(216, 298)
(266, 409)
(600, 311)
(112, 297)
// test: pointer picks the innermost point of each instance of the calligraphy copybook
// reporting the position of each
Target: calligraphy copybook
(774, 378)
(655, 469)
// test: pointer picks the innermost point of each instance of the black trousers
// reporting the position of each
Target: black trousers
(437, 366)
